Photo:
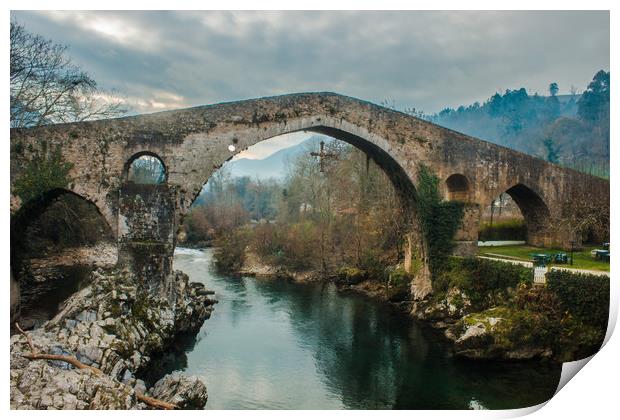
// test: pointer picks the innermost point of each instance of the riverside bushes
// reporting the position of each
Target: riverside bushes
(485, 282)
(296, 246)
(584, 296)
(351, 275)
(230, 250)
(573, 309)
(568, 316)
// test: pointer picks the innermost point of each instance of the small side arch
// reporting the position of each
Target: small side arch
(459, 188)
(145, 167)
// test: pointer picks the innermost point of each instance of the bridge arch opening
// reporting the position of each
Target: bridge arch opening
(518, 214)
(458, 188)
(146, 168)
(55, 239)
(340, 200)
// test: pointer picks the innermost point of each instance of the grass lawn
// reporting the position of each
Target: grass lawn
(583, 259)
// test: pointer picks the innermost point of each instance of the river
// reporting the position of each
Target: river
(272, 344)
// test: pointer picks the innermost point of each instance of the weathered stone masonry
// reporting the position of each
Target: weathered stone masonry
(193, 143)
(146, 229)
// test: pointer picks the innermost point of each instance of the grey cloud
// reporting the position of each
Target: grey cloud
(423, 59)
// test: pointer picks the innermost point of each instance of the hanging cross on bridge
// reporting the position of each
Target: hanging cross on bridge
(322, 155)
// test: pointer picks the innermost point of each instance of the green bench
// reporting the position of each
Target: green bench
(544, 259)
(541, 259)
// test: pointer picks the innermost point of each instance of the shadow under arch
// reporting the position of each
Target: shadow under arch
(535, 212)
(34, 208)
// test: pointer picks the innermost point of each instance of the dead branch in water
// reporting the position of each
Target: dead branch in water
(35, 355)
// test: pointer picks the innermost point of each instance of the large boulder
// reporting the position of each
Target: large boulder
(450, 306)
(186, 392)
(497, 333)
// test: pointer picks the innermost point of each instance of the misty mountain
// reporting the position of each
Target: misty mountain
(275, 165)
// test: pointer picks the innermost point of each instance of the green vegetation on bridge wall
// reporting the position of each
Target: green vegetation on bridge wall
(439, 219)
(43, 172)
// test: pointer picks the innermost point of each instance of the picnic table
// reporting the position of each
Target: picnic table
(600, 254)
(541, 259)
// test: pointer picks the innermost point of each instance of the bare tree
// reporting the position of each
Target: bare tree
(584, 217)
(47, 88)
(147, 170)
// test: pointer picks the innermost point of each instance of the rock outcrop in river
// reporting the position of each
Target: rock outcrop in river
(493, 334)
(114, 326)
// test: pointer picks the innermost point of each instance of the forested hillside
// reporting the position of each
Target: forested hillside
(572, 130)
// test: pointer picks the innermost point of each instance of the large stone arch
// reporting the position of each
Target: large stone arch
(403, 179)
(401, 173)
(200, 154)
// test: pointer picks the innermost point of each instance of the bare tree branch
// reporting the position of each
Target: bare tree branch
(47, 88)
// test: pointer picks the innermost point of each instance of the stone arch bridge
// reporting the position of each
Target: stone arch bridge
(193, 143)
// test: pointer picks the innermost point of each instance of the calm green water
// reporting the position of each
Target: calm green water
(271, 344)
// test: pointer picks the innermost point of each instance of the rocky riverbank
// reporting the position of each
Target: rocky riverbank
(113, 326)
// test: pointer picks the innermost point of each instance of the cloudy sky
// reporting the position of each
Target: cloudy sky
(422, 59)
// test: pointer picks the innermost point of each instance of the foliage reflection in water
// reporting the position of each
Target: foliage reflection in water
(277, 345)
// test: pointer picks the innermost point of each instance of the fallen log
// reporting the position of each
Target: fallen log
(61, 357)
